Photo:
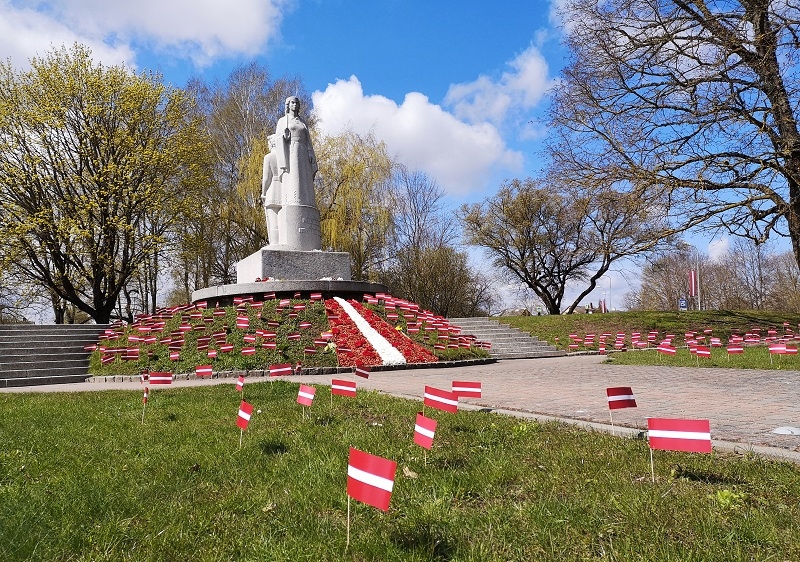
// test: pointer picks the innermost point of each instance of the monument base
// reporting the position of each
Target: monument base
(290, 264)
(223, 295)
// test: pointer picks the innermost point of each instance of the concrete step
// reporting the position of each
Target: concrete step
(46, 362)
(507, 341)
(45, 354)
(33, 371)
(31, 381)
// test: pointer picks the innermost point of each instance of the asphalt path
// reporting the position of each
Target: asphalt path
(744, 407)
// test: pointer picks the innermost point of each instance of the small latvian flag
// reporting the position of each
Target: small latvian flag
(305, 395)
(440, 399)
(666, 349)
(424, 429)
(620, 397)
(245, 411)
(362, 372)
(343, 388)
(160, 378)
(280, 369)
(240, 383)
(370, 479)
(203, 371)
(146, 392)
(691, 436)
(735, 348)
(467, 389)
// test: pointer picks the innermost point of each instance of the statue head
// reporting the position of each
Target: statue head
(292, 99)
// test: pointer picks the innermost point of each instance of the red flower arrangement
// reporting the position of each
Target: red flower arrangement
(411, 350)
(346, 335)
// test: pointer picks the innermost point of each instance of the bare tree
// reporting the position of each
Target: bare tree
(546, 236)
(695, 103)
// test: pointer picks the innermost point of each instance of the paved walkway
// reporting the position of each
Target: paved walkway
(744, 406)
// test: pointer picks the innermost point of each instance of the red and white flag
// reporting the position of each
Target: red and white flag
(342, 387)
(692, 283)
(240, 383)
(424, 429)
(620, 397)
(441, 399)
(280, 369)
(203, 371)
(245, 411)
(370, 479)
(242, 322)
(467, 389)
(305, 395)
(692, 436)
(174, 355)
(160, 378)
(735, 348)
(212, 354)
(248, 350)
(666, 349)
(146, 392)
(777, 348)
(703, 351)
(362, 372)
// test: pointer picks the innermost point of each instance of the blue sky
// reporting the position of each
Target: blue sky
(454, 89)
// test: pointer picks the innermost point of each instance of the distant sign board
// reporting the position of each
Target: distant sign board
(683, 305)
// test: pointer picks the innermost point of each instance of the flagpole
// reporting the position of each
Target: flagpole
(241, 434)
(348, 524)
(612, 421)
(652, 470)
(144, 407)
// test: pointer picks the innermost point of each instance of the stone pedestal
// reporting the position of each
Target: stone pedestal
(295, 265)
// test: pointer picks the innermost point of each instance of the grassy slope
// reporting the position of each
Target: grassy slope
(82, 479)
(722, 322)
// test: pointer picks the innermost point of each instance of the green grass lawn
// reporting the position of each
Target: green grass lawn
(723, 323)
(81, 478)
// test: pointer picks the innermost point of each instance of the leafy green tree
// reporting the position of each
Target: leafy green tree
(353, 190)
(97, 165)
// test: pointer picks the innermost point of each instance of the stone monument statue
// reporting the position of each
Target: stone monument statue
(271, 193)
(294, 252)
(298, 217)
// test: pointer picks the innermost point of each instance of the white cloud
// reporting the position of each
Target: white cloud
(26, 33)
(718, 248)
(198, 29)
(461, 157)
(522, 87)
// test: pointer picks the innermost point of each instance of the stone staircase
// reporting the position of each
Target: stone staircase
(507, 342)
(45, 354)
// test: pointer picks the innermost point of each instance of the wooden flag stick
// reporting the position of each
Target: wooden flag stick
(144, 407)
(241, 434)
(348, 524)
(652, 470)
(612, 421)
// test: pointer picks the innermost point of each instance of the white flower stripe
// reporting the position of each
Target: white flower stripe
(388, 353)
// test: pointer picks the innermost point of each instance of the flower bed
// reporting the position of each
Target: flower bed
(352, 348)
(412, 351)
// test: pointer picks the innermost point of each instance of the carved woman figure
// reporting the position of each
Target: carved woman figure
(296, 160)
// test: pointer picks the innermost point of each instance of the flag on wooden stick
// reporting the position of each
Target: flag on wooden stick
(467, 389)
(424, 430)
(440, 399)
(370, 479)
(620, 397)
(342, 387)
